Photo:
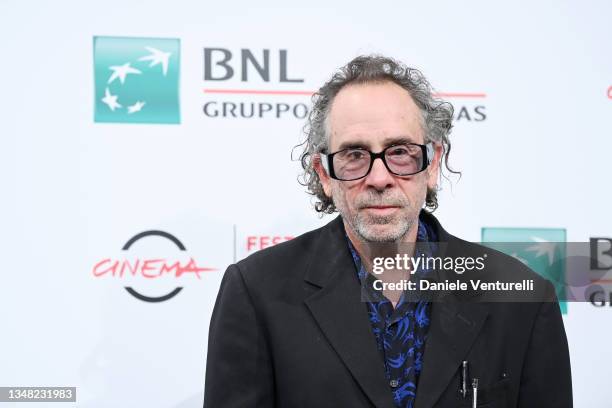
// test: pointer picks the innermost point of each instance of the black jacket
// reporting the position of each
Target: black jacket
(289, 330)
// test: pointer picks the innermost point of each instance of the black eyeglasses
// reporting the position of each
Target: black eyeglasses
(402, 159)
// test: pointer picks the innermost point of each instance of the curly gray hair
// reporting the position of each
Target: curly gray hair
(437, 117)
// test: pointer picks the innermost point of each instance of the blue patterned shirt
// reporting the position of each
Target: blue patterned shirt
(401, 332)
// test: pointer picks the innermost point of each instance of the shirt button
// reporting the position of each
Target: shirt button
(393, 383)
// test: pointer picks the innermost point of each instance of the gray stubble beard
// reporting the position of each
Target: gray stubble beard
(362, 224)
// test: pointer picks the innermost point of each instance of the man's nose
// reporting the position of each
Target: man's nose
(379, 177)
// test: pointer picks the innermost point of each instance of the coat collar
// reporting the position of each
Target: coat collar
(342, 316)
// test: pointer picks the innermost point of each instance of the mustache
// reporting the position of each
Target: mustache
(373, 199)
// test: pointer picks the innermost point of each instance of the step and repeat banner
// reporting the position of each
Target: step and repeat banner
(148, 145)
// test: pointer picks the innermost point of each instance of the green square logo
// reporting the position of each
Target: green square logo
(542, 249)
(136, 80)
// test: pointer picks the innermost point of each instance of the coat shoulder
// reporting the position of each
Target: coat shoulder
(498, 263)
(501, 267)
(281, 260)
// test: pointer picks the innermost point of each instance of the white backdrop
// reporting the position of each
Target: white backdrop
(533, 77)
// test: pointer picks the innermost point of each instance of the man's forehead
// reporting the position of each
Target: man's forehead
(371, 142)
(374, 115)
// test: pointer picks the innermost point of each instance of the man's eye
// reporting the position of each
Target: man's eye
(398, 151)
(355, 155)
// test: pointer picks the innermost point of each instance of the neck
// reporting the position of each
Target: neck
(370, 250)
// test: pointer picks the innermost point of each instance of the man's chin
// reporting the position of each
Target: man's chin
(381, 232)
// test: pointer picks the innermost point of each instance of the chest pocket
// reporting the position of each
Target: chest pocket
(489, 396)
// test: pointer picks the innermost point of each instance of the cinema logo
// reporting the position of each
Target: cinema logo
(154, 273)
(267, 68)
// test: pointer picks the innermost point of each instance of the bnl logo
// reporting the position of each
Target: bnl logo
(542, 249)
(136, 80)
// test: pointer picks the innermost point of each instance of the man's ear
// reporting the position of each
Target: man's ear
(433, 169)
(322, 173)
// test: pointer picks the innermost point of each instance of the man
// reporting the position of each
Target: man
(296, 325)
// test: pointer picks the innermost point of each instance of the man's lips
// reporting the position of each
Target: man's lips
(381, 209)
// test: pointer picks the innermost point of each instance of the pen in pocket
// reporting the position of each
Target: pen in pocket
(464, 378)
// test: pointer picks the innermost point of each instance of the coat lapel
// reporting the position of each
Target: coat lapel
(342, 316)
(456, 320)
(454, 327)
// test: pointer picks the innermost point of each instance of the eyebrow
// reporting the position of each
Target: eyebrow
(386, 143)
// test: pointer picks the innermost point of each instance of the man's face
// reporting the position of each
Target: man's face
(380, 207)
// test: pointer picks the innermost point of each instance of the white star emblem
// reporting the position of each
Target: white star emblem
(122, 71)
(157, 57)
(543, 247)
(136, 107)
(110, 100)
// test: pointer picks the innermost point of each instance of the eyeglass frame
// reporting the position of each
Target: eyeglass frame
(426, 149)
